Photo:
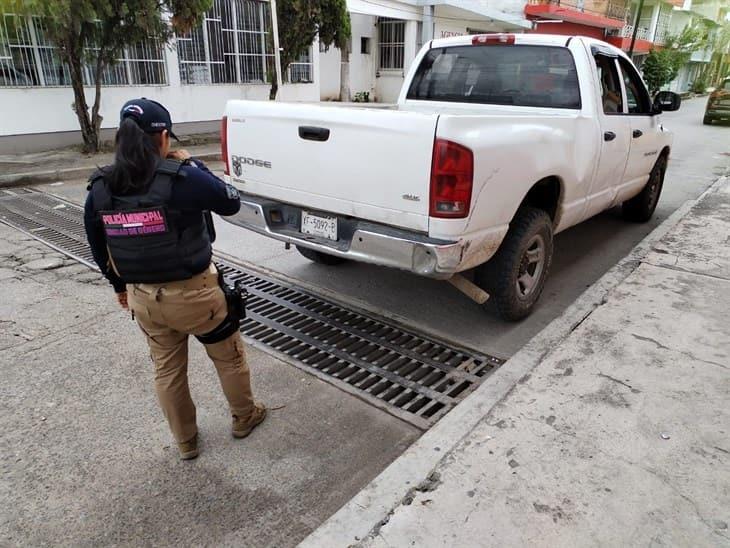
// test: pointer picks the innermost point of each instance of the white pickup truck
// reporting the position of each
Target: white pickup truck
(497, 143)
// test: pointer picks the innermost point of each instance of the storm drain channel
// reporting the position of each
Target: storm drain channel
(410, 375)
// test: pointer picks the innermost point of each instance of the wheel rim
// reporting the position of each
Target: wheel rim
(531, 268)
(654, 185)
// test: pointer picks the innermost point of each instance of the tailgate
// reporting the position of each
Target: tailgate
(372, 164)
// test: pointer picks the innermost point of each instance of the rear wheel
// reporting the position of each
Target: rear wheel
(640, 208)
(319, 257)
(515, 276)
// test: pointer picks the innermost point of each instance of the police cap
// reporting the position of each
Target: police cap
(149, 115)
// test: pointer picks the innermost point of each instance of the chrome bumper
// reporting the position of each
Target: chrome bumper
(369, 243)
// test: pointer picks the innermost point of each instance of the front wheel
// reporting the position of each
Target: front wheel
(319, 257)
(640, 208)
(515, 276)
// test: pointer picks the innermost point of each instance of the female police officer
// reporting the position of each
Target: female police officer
(145, 225)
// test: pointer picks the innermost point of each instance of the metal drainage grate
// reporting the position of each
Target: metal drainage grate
(410, 375)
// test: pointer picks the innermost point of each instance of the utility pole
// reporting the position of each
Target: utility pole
(277, 51)
(636, 27)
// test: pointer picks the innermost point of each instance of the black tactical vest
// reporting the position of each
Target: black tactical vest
(147, 242)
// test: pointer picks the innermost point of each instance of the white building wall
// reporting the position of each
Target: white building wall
(329, 83)
(41, 110)
(363, 65)
(48, 110)
(514, 7)
(388, 83)
(447, 21)
(384, 85)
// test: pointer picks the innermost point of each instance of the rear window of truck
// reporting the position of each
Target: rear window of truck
(528, 76)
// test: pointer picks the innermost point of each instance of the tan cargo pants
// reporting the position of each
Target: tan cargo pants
(167, 314)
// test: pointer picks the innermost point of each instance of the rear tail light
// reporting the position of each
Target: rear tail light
(452, 174)
(224, 144)
(493, 39)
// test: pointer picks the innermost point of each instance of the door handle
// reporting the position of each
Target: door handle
(637, 133)
(609, 136)
(311, 133)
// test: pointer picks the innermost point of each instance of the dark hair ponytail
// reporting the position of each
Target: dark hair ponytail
(135, 160)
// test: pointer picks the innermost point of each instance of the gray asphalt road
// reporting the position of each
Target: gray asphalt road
(582, 254)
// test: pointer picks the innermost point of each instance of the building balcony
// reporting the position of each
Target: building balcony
(607, 14)
(660, 38)
(627, 31)
(621, 38)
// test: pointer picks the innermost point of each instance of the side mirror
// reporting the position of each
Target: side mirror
(666, 101)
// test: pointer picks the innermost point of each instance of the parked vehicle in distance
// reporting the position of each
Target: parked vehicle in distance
(497, 143)
(718, 104)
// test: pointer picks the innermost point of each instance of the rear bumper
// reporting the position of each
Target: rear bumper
(358, 240)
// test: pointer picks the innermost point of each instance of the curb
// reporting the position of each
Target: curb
(371, 508)
(68, 174)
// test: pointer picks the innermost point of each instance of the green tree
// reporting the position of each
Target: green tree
(656, 69)
(663, 65)
(300, 21)
(680, 47)
(719, 46)
(94, 33)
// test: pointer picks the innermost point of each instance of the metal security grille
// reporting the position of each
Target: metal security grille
(48, 219)
(231, 46)
(300, 72)
(662, 25)
(391, 37)
(28, 58)
(408, 374)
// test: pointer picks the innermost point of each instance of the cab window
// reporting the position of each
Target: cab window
(637, 98)
(610, 85)
(527, 76)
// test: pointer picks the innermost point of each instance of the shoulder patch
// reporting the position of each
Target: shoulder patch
(231, 192)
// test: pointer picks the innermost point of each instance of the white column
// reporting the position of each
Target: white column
(654, 20)
(36, 51)
(427, 29)
(316, 69)
(171, 62)
(277, 51)
(409, 48)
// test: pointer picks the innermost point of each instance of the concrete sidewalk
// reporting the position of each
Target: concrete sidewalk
(87, 459)
(69, 163)
(616, 434)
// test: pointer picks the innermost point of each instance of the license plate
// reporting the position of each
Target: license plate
(319, 225)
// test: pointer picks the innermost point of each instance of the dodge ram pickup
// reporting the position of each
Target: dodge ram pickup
(497, 143)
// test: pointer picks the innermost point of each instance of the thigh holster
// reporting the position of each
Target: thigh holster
(236, 297)
(224, 330)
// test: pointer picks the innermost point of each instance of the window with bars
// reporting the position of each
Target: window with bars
(28, 58)
(391, 37)
(231, 46)
(300, 72)
(17, 59)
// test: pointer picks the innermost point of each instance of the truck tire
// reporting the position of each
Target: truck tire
(515, 276)
(640, 208)
(319, 257)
